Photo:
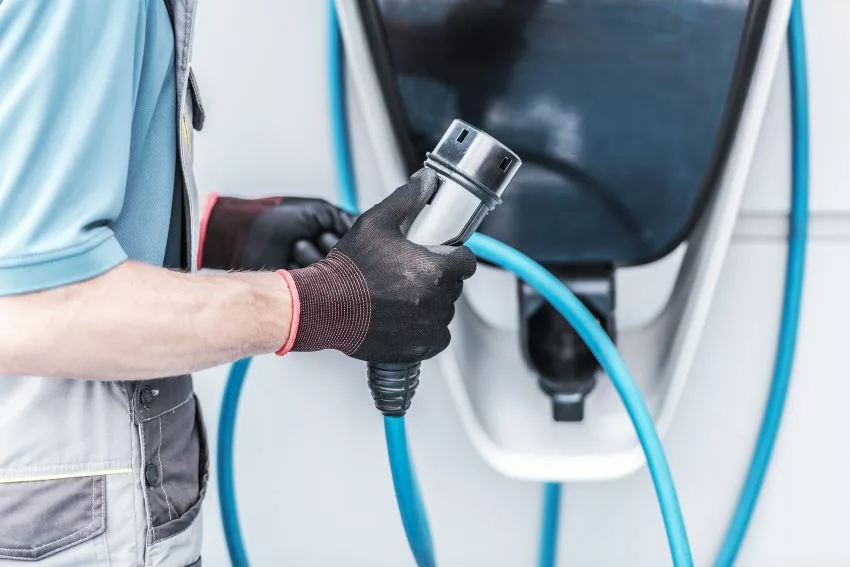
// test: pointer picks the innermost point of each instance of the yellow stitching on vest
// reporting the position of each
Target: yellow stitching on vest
(64, 476)
(186, 132)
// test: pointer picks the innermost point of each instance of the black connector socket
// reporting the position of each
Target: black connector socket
(566, 369)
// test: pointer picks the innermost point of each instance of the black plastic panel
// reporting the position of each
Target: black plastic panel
(622, 110)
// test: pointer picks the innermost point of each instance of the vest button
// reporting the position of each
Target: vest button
(152, 475)
(146, 396)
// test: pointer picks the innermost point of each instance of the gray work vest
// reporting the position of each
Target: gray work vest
(110, 473)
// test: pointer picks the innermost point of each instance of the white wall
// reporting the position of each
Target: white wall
(312, 476)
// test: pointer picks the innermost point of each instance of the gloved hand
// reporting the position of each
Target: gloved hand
(377, 296)
(267, 234)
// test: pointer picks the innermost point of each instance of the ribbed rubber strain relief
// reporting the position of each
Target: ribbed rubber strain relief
(393, 386)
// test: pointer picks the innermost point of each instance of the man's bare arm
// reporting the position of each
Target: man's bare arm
(138, 322)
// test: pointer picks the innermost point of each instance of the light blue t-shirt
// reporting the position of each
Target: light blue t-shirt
(87, 138)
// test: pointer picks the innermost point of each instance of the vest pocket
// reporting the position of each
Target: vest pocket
(44, 517)
(176, 467)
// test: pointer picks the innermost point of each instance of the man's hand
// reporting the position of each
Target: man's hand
(268, 234)
(377, 296)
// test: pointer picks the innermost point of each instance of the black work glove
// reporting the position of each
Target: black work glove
(377, 296)
(272, 233)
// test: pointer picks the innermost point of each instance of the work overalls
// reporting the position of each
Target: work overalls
(110, 473)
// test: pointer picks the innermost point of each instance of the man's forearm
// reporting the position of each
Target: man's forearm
(137, 322)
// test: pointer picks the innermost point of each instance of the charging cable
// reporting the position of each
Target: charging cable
(550, 520)
(797, 239)
(224, 463)
(786, 346)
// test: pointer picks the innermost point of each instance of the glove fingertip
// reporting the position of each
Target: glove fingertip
(403, 204)
(443, 340)
(425, 176)
(347, 219)
(465, 261)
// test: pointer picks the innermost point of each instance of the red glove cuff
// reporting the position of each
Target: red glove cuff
(296, 313)
(225, 223)
(334, 307)
(205, 219)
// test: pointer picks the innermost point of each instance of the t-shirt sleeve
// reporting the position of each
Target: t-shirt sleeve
(67, 92)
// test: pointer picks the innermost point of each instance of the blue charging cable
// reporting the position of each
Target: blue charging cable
(224, 463)
(549, 525)
(788, 330)
(410, 504)
(339, 115)
(797, 237)
(594, 336)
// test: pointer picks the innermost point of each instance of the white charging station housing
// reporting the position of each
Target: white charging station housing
(505, 414)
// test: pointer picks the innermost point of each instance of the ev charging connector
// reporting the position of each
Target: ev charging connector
(473, 169)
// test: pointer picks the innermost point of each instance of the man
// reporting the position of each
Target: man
(103, 457)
